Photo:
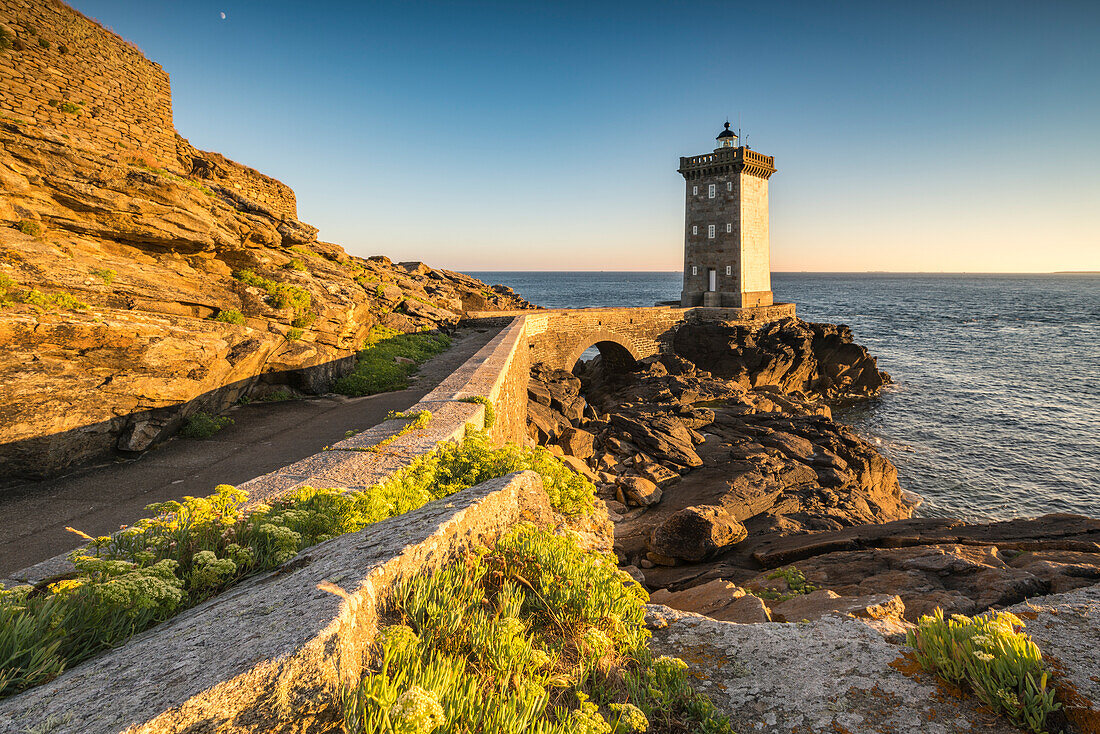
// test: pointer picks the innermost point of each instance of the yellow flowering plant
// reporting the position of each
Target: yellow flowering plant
(189, 550)
(531, 635)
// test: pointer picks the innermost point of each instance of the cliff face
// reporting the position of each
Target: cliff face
(112, 272)
(141, 279)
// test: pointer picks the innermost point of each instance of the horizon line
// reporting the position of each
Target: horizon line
(819, 272)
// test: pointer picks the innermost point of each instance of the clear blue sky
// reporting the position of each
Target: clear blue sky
(958, 136)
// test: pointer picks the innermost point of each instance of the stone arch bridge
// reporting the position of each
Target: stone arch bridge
(558, 337)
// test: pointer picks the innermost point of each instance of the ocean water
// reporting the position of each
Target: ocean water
(996, 408)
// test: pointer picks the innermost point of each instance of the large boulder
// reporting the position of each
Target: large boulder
(577, 442)
(695, 533)
(837, 674)
(638, 491)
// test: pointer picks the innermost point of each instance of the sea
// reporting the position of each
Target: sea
(995, 408)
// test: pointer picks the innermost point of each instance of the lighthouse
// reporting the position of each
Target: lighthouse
(727, 259)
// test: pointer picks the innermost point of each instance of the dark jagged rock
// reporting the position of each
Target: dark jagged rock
(794, 355)
(734, 430)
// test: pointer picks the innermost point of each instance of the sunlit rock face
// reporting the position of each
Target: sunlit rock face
(134, 264)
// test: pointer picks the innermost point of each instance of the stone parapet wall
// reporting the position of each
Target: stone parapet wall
(499, 371)
(64, 70)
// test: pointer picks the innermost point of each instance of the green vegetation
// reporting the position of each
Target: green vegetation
(9, 295)
(6, 39)
(63, 49)
(281, 295)
(294, 334)
(70, 108)
(990, 655)
(29, 227)
(296, 264)
(490, 410)
(35, 297)
(453, 467)
(279, 396)
(106, 275)
(230, 316)
(204, 425)
(302, 320)
(178, 179)
(303, 251)
(6, 285)
(378, 369)
(416, 422)
(43, 43)
(796, 584)
(534, 635)
(193, 549)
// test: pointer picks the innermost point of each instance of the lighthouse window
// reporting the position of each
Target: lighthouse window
(695, 229)
(710, 231)
(729, 185)
(729, 270)
(694, 269)
(712, 190)
(694, 190)
(729, 227)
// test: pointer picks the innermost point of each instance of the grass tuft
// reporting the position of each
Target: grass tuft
(281, 295)
(490, 409)
(105, 274)
(204, 425)
(230, 316)
(9, 295)
(29, 227)
(796, 584)
(417, 421)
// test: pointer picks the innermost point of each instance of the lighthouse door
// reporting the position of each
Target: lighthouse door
(712, 275)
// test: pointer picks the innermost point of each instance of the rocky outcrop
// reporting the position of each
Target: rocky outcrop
(725, 469)
(771, 461)
(958, 567)
(791, 354)
(111, 271)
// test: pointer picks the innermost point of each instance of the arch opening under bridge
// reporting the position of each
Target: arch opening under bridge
(617, 353)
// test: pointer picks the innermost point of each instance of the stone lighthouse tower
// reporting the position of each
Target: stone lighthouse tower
(727, 261)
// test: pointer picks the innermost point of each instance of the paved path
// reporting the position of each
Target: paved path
(264, 437)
